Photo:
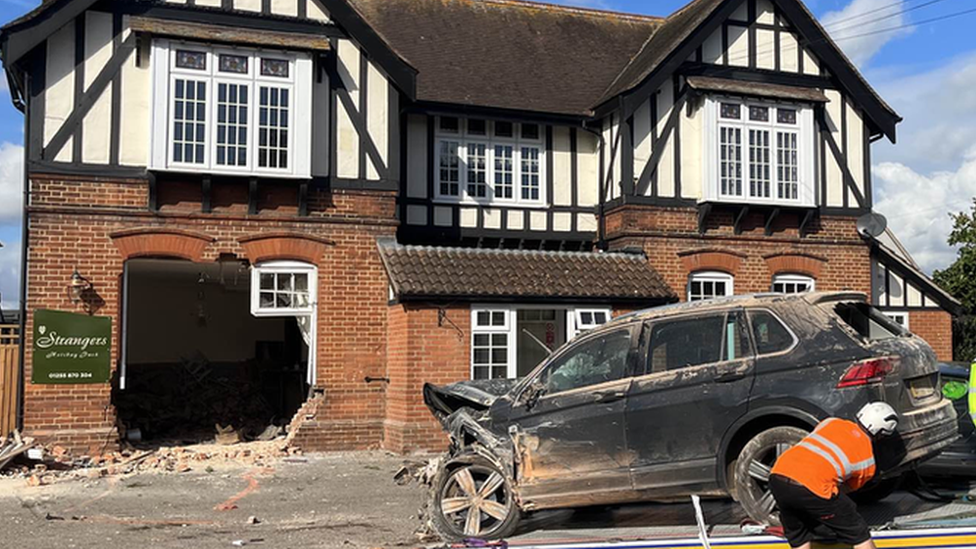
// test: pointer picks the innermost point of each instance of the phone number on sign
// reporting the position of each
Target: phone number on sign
(69, 375)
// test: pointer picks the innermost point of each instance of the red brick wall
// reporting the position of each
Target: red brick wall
(935, 327)
(832, 251)
(71, 223)
(422, 349)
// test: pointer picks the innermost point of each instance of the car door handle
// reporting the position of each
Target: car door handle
(609, 396)
(729, 377)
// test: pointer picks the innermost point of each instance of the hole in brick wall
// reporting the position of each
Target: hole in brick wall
(196, 358)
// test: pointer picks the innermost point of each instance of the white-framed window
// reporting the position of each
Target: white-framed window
(900, 317)
(283, 288)
(793, 284)
(288, 288)
(485, 161)
(758, 152)
(231, 110)
(492, 344)
(709, 285)
(495, 334)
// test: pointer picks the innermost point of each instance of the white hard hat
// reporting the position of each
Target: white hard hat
(878, 418)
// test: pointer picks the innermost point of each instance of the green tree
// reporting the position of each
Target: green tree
(959, 279)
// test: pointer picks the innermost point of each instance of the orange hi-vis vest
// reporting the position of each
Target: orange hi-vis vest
(836, 452)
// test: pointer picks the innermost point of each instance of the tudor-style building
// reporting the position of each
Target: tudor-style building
(336, 201)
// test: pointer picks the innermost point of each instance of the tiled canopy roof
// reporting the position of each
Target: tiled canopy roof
(470, 273)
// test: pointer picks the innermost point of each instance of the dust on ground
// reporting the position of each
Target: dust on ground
(345, 499)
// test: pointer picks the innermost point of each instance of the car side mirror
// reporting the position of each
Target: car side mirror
(532, 393)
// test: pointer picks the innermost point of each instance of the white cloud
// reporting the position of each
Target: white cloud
(932, 170)
(10, 275)
(11, 182)
(849, 26)
(923, 224)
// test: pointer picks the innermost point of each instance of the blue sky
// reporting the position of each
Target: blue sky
(926, 71)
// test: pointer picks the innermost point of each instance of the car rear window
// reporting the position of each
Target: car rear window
(867, 321)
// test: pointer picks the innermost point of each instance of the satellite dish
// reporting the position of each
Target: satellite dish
(871, 225)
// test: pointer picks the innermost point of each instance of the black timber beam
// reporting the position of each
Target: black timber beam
(651, 167)
(770, 217)
(87, 100)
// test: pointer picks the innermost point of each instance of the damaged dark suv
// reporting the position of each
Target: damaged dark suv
(692, 398)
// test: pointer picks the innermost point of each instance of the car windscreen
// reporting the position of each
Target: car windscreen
(868, 322)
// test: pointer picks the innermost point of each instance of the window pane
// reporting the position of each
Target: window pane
(530, 131)
(284, 282)
(707, 287)
(449, 124)
(477, 126)
(273, 125)
(786, 116)
(274, 67)
(596, 360)
(231, 124)
(189, 119)
(301, 282)
(769, 333)
(283, 301)
(503, 129)
(586, 318)
(267, 281)
(481, 356)
(483, 318)
(233, 63)
(530, 173)
(684, 343)
(731, 111)
(266, 300)
(759, 164)
(477, 170)
(450, 174)
(787, 181)
(498, 318)
(504, 171)
(187, 59)
(759, 114)
(730, 161)
(481, 339)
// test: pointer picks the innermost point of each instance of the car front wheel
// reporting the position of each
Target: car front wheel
(754, 466)
(472, 498)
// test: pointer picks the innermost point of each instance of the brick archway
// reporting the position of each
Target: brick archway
(161, 242)
(711, 260)
(805, 264)
(285, 245)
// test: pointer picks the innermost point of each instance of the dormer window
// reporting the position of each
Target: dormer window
(758, 152)
(231, 110)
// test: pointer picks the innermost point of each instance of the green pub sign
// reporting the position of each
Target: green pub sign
(71, 348)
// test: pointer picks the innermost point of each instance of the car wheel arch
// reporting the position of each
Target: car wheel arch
(755, 422)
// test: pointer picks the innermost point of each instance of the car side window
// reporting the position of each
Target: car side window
(769, 333)
(685, 342)
(597, 360)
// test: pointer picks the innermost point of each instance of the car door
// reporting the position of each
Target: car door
(570, 440)
(697, 376)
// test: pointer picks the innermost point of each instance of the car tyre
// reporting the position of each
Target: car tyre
(470, 483)
(753, 468)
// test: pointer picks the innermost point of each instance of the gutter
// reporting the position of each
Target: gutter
(25, 228)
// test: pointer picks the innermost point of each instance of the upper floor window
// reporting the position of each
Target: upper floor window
(792, 284)
(709, 285)
(231, 110)
(489, 161)
(759, 152)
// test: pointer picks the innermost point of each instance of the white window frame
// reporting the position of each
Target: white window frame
(711, 276)
(804, 128)
(490, 140)
(578, 326)
(298, 81)
(311, 312)
(793, 278)
(895, 315)
(573, 327)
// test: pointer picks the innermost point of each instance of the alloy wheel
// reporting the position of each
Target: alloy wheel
(759, 469)
(475, 500)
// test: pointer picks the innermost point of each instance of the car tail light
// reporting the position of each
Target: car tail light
(867, 371)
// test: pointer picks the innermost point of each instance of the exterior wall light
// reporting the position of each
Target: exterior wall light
(77, 286)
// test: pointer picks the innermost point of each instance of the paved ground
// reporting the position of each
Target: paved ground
(333, 500)
(330, 500)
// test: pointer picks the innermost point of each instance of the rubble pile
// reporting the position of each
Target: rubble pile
(42, 465)
(183, 401)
